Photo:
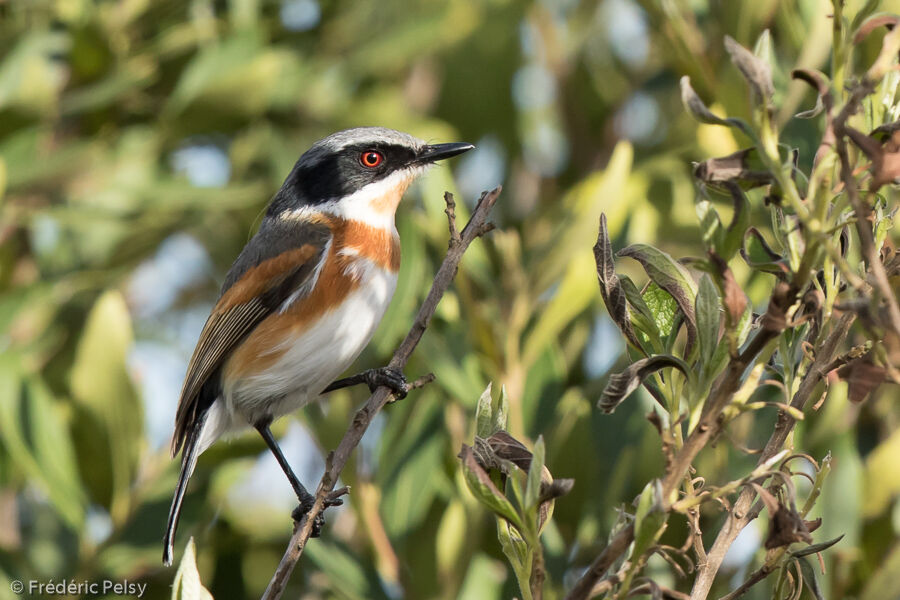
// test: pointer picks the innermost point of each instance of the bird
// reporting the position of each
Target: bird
(303, 298)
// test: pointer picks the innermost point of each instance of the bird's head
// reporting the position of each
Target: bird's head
(358, 173)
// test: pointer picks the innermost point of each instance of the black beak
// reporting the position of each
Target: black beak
(437, 152)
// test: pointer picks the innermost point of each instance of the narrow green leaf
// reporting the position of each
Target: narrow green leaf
(757, 253)
(641, 316)
(483, 414)
(574, 295)
(707, 308)
(698, 109)
(501, 412)
(711, 229)
(533, 485)
(649, 519)
(813, 548)
(810, 578)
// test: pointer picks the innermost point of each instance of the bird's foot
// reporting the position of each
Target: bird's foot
(306, 504)
(389, 377)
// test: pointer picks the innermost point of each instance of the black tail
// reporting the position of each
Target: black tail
(189, 455)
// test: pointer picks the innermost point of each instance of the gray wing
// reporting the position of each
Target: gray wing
(276, 262)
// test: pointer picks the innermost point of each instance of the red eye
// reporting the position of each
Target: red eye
(371, 158)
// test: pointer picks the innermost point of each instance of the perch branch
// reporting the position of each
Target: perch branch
(476, 227)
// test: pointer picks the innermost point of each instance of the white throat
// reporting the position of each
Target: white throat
(374, 204)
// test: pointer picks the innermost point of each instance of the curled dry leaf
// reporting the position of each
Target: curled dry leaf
(610, 288)
(737, 166)
(885, 156)
(863, 377)
(819, 82)
(757, 253)
(775, 317)
(501, 447)
(696, 107)
(825, 100)
(622, 384)
(785, 525)
(785, 528)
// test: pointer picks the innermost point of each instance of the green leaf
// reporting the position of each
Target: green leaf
(39, 443)
(501, 412)
(662, 308)
(533, 485)
(574, 295)
(707, 309)
(102, 386)
(734, 234)
(187, 584)
(811, 578)
(649, 519)
(711, 230)
(484, 490)
(642, 317)
(451, 537)
(410, 494)
(516, 551)
(483, 414)
(670, 275)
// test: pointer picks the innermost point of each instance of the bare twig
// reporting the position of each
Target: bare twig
(757, 576)
(338, 458)
(602, 563)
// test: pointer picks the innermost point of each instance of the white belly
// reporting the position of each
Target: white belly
(311, 362)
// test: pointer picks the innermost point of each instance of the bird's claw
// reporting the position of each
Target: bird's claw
(306, 505)
(389, 377)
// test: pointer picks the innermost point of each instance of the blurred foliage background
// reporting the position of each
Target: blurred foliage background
(139, 143)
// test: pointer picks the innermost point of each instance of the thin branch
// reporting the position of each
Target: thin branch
(601, 564)
(863, 228)
(757, 576)
(742, 512)
(338, 458)
(710, 424)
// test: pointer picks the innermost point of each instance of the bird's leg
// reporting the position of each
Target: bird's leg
(389, 377)
(306, 499)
